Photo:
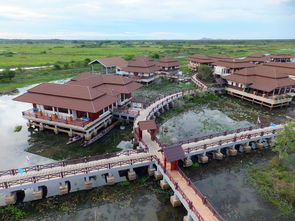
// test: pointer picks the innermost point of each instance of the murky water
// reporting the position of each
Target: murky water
(223, 182)
(225, 185)
(195, 123)
(13, 144)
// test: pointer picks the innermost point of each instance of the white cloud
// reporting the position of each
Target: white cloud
(83, 35)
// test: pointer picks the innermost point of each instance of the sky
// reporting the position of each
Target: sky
(147, 19)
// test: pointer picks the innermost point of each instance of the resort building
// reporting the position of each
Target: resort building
(109, 65)
(280, 57)
(169, 65)
(264, 85)
(257, 58)
(227, 67)
(81, 106)
(196, 60)
(142, 69)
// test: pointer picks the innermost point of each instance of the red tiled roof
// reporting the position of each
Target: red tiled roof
(141, 64)
(147, 125)
(200, 59)
(262, 77)
(234, 63)
(86, 92)
(281, 55)
(168, 62)
(174, 153)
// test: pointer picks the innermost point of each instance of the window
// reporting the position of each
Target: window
(49, 108)
(63, 110)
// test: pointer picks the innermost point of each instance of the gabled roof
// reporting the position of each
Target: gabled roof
(262, 77)
(281, 55)
(86, 92)
(200, 59)
(141, 64)
(111, 62)
(147, 125)
(234, 63)
(168, 62)
(107, 82)
(174, 153)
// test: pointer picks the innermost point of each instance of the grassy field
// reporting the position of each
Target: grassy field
(34, 76)
(24, 53)
(33, 53)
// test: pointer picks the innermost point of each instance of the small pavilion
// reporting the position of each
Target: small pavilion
(172, 154)
(149, 125)
(112, 64)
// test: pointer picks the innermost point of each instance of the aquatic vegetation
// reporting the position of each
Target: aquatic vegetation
(18, 128)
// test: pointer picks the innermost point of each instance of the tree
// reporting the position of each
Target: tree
(7, 74)
(285, 140)
(205, 73)
(155, 56)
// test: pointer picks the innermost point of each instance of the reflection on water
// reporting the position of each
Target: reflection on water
(196, 123)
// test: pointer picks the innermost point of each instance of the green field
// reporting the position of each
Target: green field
(24, 53)
(33, 53)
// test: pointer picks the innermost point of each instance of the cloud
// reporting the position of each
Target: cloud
(87, 35)
(142, 18)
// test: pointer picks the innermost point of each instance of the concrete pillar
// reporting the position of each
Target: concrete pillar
(187, 162)
(131, 175)
(259, 145)
(246, 148)
(70, 133)
(37, 194)
(232, 151)
(10, 199)
(203, 158)
(41, 127)
(110, 179)
(158, 175)
(55, 129)
(63, 189)
(218, 155)
(87, 136)
(88, 184)
(188, 217)
(164, 185)
(151, 171)
(174, 200)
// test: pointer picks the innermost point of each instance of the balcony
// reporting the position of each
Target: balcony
(39, 116)
(272, 101)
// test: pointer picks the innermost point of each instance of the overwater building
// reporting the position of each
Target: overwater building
(81, 106)
(265, 85)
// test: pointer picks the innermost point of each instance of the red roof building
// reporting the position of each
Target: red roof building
(257, 58)
(266, 85)
(169, 65)
(113, 64)
(229, 66)
(196, 60)
(142, 68)
(81, 106)
(280, 57)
